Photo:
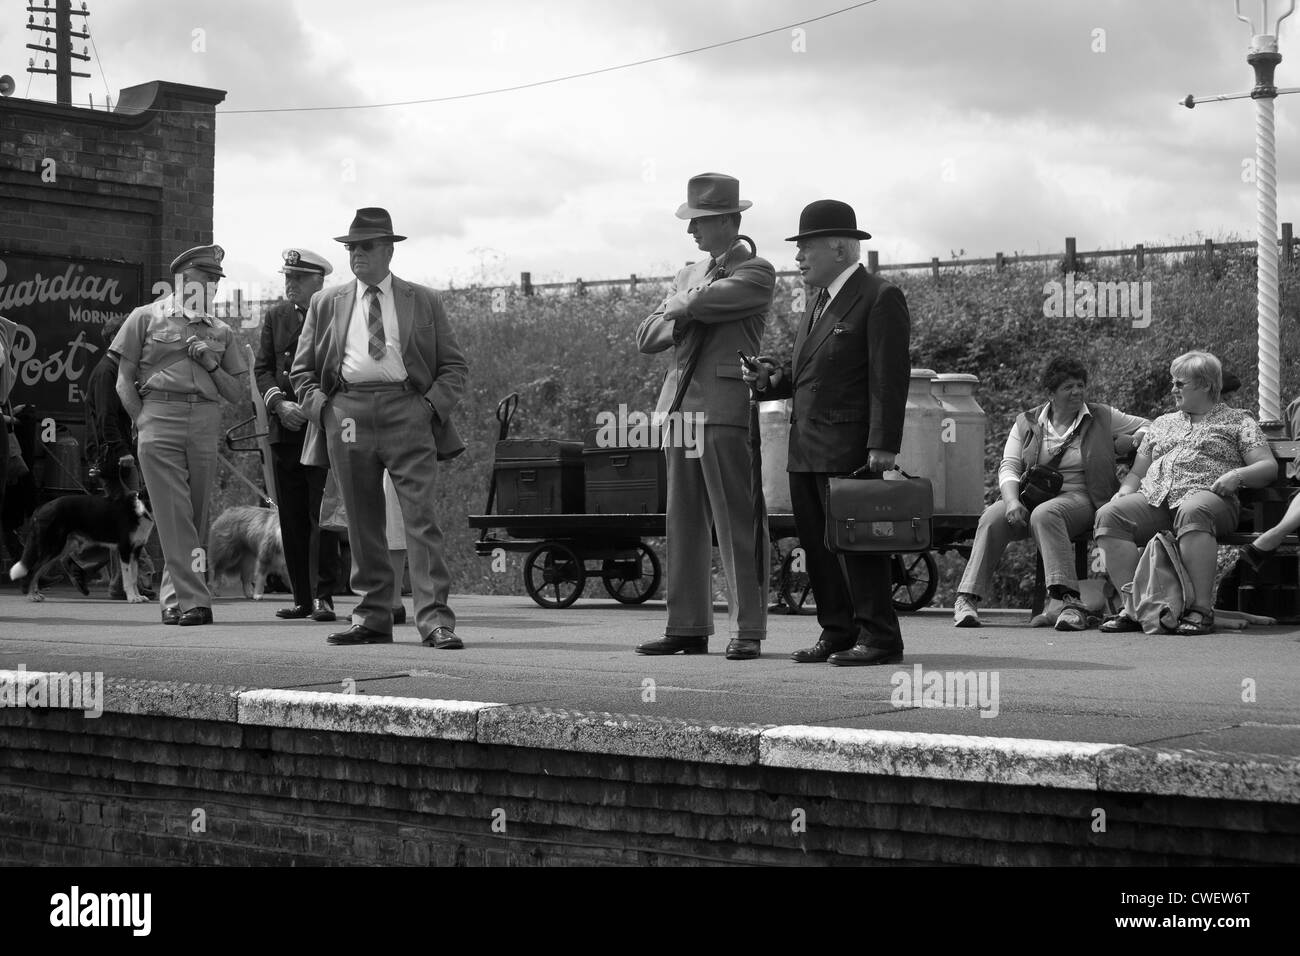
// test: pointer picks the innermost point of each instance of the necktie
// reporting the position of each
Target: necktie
(818, 308)
(375, 325)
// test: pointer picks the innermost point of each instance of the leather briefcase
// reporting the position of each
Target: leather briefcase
(878, 516)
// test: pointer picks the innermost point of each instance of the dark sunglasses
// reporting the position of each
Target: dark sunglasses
(367, 246)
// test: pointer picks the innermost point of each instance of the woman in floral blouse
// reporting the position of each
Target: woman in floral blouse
(1188, 471)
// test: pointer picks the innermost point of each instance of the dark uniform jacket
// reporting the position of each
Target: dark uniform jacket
(848, 378)
(275, 351)
(108, 426)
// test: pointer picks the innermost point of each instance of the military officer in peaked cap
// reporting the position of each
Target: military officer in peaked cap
(311, 554)
(178, 361)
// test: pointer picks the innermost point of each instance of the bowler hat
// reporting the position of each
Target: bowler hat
(828, 217)
(370, 223)
(712, 194)
(205, 258)
(304, 260)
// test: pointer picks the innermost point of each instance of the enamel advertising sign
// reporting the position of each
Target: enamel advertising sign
(61, 304)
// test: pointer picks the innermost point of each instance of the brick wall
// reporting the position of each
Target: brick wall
(123, 789)
(134, 184)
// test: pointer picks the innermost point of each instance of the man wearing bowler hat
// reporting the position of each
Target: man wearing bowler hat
(310, 554)
(177, 362)
(379, 372)
(848, 378)
(717, 306)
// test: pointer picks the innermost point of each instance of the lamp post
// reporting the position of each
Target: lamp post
(1263, 56)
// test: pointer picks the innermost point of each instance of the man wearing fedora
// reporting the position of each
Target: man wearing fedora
(310, 554)
(379, 372)
(848, 378)
(717, 306)
(177, 362)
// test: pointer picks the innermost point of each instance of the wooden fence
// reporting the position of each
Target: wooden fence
(1069, 259)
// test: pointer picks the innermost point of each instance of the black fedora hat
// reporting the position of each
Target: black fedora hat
(828, 217)
(370, 223)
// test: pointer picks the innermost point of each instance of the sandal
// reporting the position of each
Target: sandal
(1204, 623)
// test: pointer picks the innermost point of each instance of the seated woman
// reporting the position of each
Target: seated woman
(1185, 479)
(1089, 434)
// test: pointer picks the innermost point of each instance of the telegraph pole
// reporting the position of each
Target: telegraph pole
(61, 47)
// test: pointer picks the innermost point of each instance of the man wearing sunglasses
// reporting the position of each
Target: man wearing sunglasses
(378, 371)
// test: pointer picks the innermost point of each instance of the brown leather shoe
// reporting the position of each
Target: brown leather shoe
(744, 649)
(443, 639)
(859, 655)
(819, 653)
(672, 645)
(358, 634)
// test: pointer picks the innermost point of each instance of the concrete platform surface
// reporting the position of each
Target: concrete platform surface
(1233, 692)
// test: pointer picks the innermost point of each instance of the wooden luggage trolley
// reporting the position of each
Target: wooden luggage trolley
(564, 524)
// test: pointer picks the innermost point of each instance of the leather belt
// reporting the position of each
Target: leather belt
(402, 386)
(190, 397)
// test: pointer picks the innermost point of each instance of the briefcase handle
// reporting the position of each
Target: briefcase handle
(866, 471)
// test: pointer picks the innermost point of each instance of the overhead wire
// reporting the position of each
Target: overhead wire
(536, 83)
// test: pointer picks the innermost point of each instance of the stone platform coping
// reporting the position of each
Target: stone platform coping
(1116, 768)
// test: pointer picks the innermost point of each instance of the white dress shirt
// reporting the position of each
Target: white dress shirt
(833, 289)
(358, 366)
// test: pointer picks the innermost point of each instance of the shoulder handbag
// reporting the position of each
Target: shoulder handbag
(1042, 483)
(866, 514)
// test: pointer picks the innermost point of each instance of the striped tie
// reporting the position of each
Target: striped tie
(818, 308)
(375, 325)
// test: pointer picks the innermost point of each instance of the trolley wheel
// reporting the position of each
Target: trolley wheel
(554, 575)
(916, 578)
(796, 587)
(633, 580)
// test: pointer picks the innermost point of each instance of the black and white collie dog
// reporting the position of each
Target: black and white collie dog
(69, 524)
(246, 541)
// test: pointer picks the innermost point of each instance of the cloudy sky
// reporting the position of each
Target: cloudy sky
(950, 125)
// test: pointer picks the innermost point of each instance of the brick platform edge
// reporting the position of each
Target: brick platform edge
(184, 773)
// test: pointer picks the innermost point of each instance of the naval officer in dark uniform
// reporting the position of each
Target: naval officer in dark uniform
(311, 554)
(177, 362)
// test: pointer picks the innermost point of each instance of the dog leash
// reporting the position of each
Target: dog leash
(262, 499)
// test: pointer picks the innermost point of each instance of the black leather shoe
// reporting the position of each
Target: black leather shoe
(399, 615)
(743, 649)
(295, 613)
(671, 645)
(196, 616)
(819, 653)
(357, 634)
(171, 615)
(443, 639)
(859, 655)
(322, 609)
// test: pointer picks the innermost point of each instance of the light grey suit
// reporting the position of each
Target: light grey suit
(404, 431)
(716, 316)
